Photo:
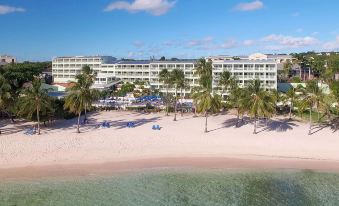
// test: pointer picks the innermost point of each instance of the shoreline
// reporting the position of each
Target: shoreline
(120, 167)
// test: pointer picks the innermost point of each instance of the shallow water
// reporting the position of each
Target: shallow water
(178, 187)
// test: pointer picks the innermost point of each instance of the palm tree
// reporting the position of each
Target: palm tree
(86, 79)
(292, 98)
(204, 99)
(81, 96)
(237, 98)
(316, 93)
(178, 79)
(207, 102)
(225, 80)
(204, 71)
(309, 101)
(5, 94)
(35, 99)
(76, 102)
(261, 102)
(165, 78)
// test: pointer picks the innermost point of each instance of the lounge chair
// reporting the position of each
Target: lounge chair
(156, 127)
(31, 131)
(130, 124)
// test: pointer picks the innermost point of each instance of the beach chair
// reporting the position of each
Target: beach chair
(130, 124)
(156, 127)
(30, 131)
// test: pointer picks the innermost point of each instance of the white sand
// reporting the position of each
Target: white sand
(61, 145)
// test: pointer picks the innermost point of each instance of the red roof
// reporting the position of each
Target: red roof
(66, 85)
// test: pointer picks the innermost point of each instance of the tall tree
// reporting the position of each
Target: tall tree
(5, 93)
(178, 80)
(34, 99)
(316, 93)
(237, 99)
(261, 103)
(292, 97)
(165, 78)
(205, 100)
(80, 95)
(225, 81)
(76, 102)
(86, 79)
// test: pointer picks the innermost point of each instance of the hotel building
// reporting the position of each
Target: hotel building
(110, 70)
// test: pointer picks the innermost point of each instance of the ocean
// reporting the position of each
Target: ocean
(171, 187)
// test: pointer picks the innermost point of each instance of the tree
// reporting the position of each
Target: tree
(316, 93)
(34, 99)
(292, 98)
(80, 95)
(75, 102)
(165, 78)
(178, 80)
(261, 103)
(225, 80)
(287, 68)
(237, 99)
(204, 71)
(206, 103)
(5, 93)
(86, 79)
(204, 99)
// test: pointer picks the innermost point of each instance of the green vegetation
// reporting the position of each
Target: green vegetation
(204, 99)
(34, 100)
(81, 96)
(22, 96)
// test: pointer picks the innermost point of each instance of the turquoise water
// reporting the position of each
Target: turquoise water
(178, 187)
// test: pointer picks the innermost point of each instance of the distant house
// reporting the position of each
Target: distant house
(6, 59)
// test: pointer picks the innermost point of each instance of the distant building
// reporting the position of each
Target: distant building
(5, 59)
(110, 71)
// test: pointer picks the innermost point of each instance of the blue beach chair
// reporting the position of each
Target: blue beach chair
(130, 124)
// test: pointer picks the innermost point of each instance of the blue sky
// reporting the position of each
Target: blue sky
(43, 29)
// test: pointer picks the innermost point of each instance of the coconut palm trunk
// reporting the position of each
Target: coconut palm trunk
(175, 105)
(310, 127)
(195, 111)
(78, 126)
(167, 101)
(291, 106)
(85, 113)
(206, 116)
(238, 117)
(182, 112)
(38, 118)
(255, 125)
(318, 112)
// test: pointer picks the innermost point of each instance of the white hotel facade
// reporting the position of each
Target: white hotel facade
(64, 69)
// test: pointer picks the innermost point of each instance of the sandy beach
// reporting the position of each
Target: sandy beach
(60, 150)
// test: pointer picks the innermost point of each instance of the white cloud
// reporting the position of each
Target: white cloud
(154, 7)
(9, 9)
(332, 45)
(285, 42)
(229, 44)
(250, 6)
(248, 42)
(200, 42)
